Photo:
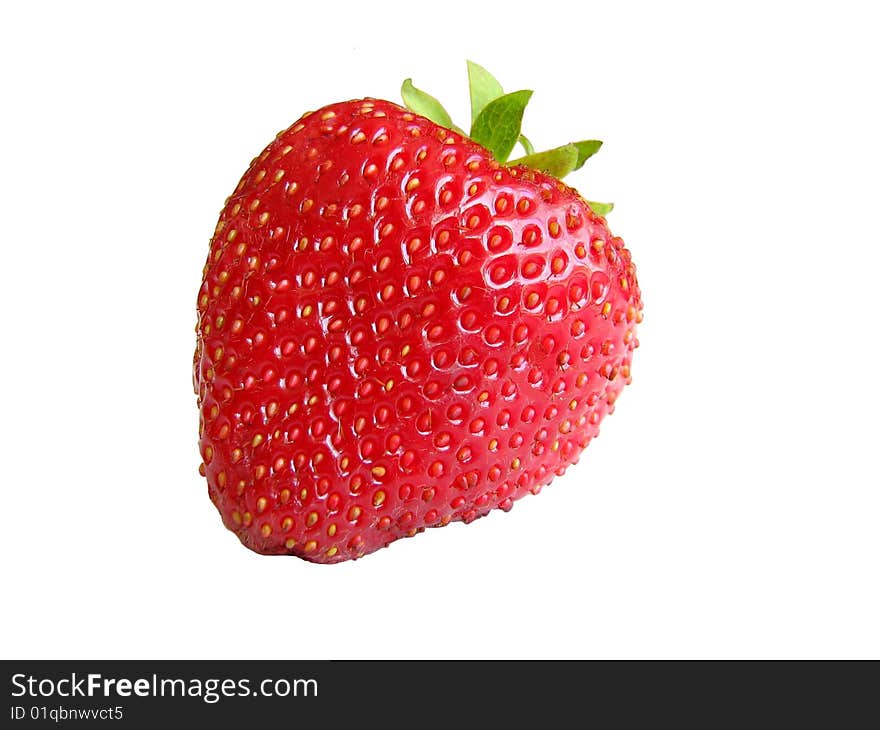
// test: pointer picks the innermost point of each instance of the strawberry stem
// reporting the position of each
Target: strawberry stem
(496, 121)
(527, 146)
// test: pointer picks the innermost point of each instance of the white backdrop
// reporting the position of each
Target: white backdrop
(730, 507)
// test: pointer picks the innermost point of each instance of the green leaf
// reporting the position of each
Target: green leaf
(557, 162)
(526, 145)
(586, 149)
(600, 208)
(560, 160)
(418, 102)
(484, 88)
(497, 127)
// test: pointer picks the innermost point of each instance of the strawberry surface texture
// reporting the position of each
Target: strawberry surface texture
(396, 331)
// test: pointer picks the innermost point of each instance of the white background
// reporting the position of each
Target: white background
(730, 507)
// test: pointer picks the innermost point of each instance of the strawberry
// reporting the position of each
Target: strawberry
(397, 330)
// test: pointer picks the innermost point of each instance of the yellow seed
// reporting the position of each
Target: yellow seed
(310, 546)
(332, 551)
(257, 440)
(378, 498)
(262, 502)
(287, 523)
(266, 530)
(311, 519)
(289, 543)
(331, 531)
(515, 463)
(379, 471)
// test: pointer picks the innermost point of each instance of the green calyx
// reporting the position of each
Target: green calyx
(496, 124)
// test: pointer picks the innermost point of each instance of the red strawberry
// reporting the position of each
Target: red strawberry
(397, 331)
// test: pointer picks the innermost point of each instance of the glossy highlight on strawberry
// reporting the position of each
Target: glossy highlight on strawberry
(396, 331)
